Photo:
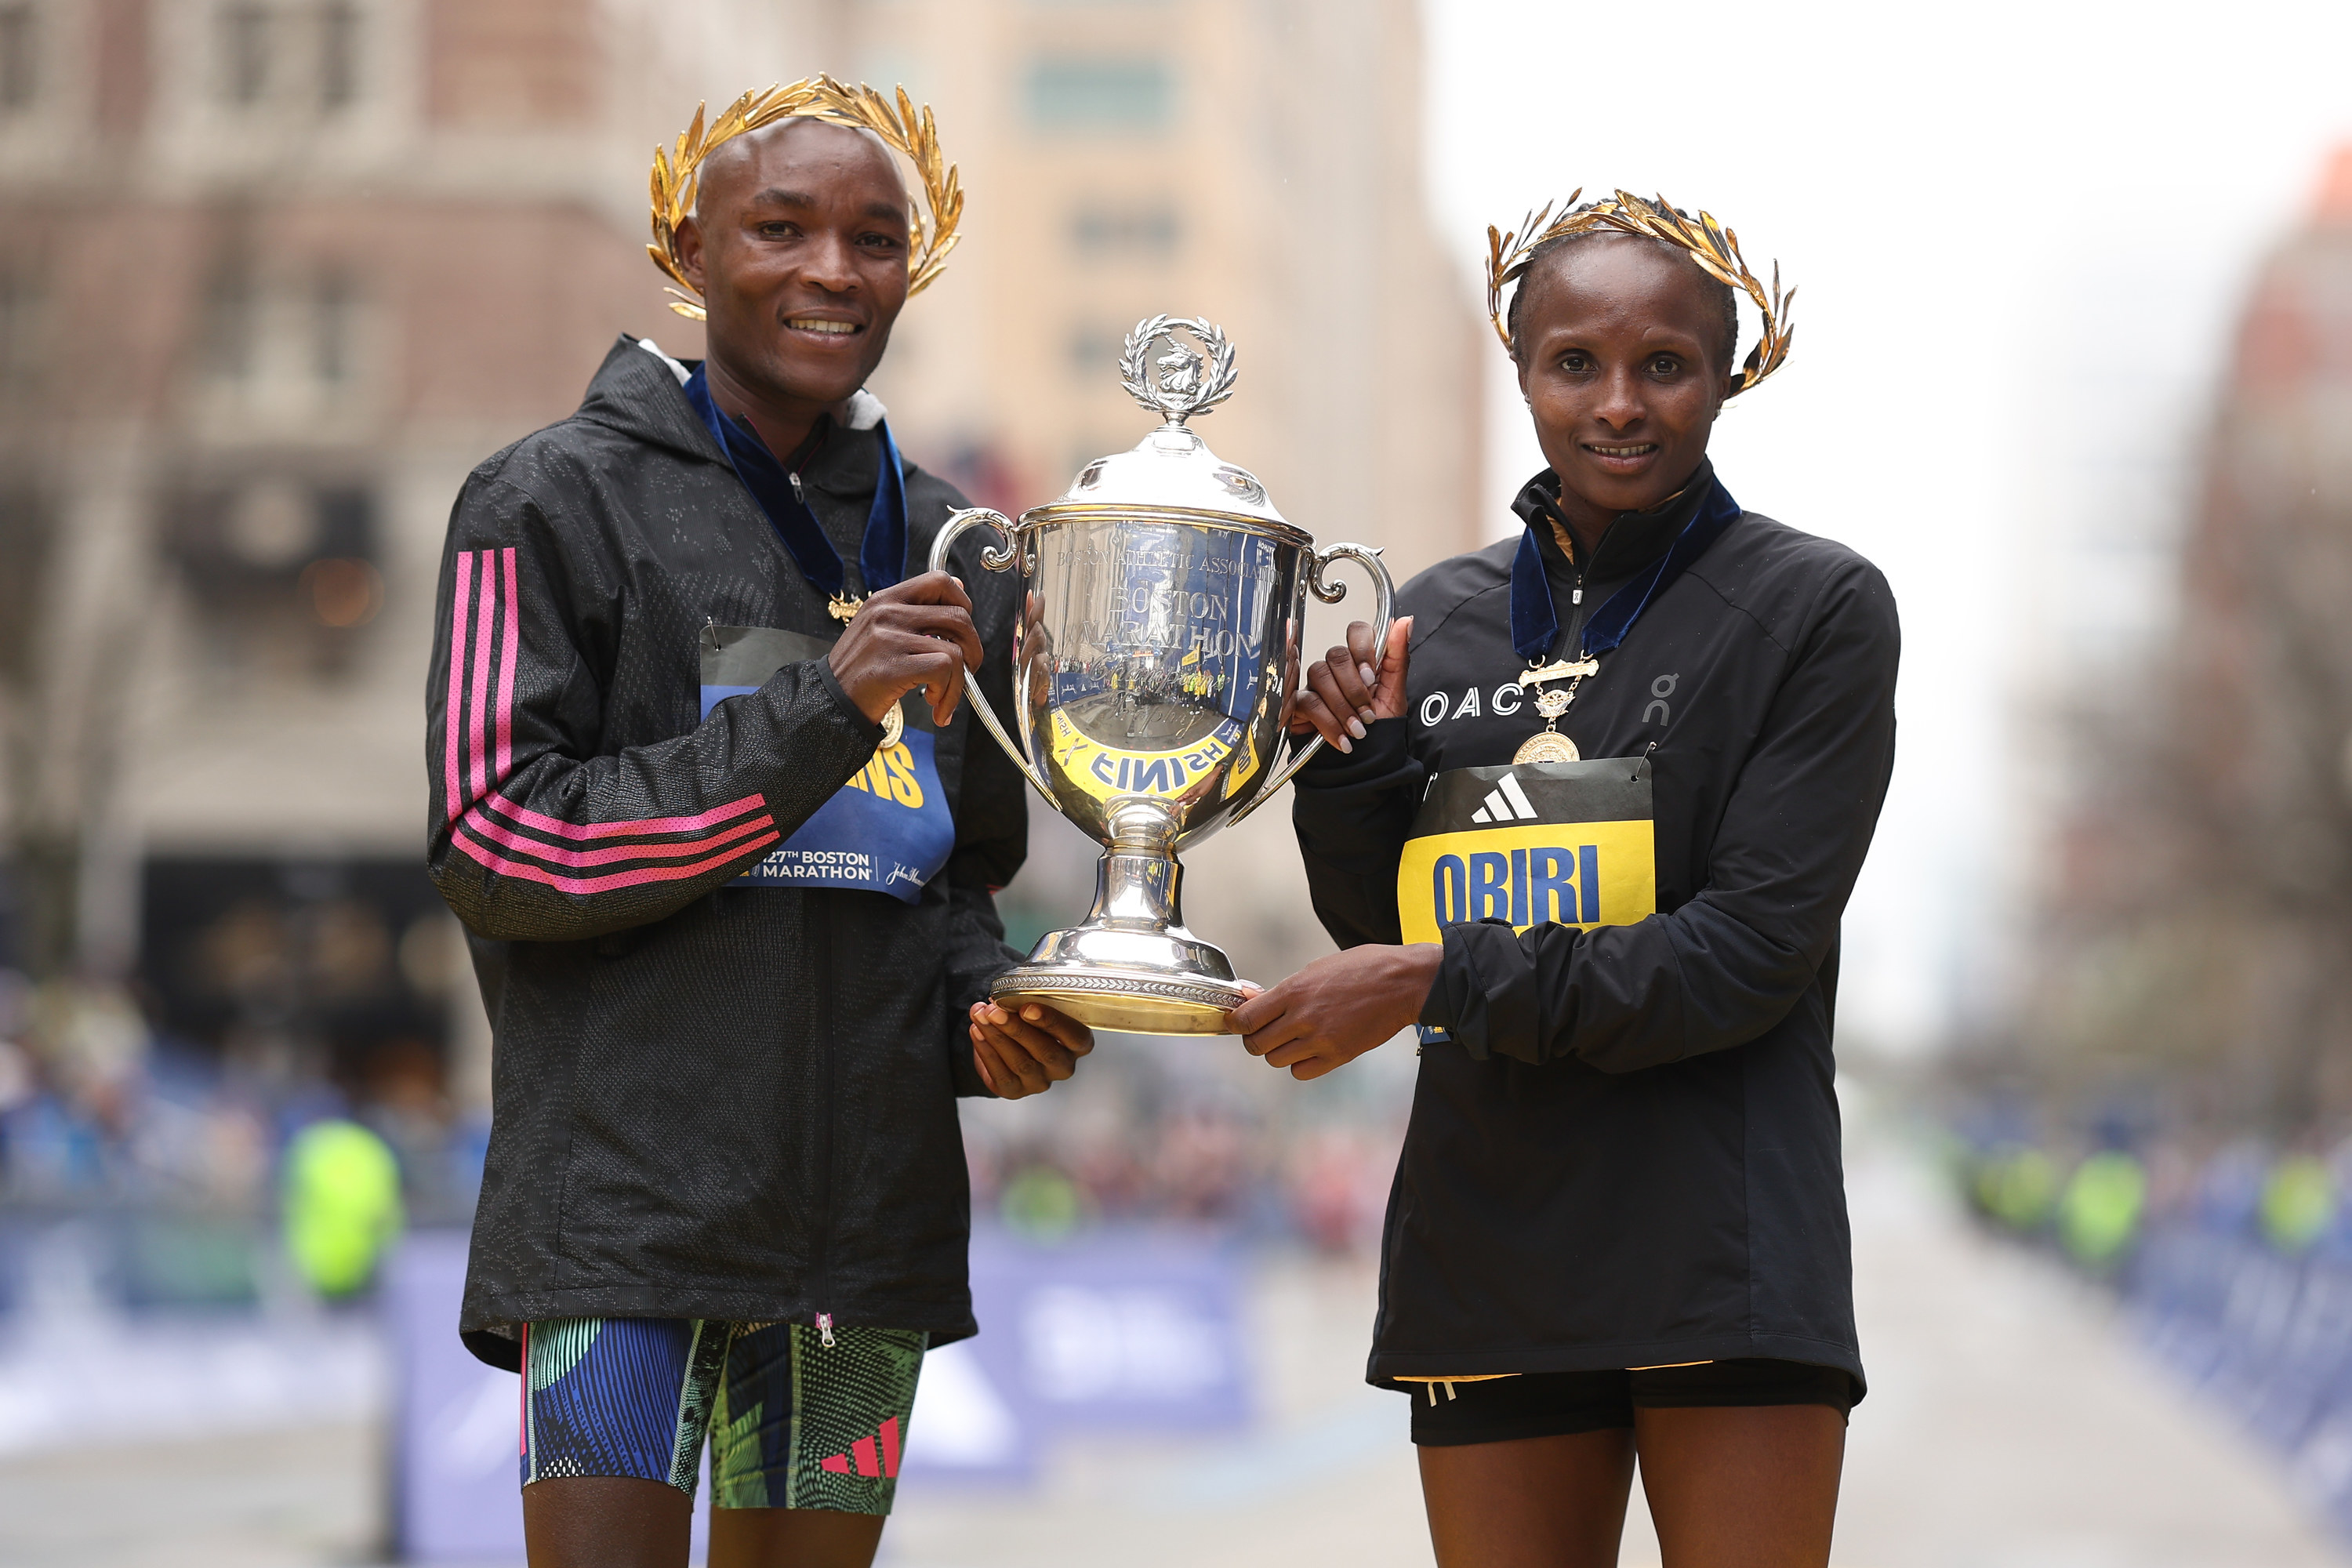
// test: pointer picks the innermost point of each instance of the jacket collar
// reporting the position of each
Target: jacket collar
(634, 393)
(637, 394)
(1631, 543)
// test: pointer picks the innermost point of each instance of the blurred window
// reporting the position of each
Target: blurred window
(290, 333)
(244, 45)
(27, 530)
(22, 329)
(303, 58)
(338, 56)
(1152, 231)
(229, 323)
(1124, 94)
(279, 568)
(1094, 353)
(332, 340)
(19, 37)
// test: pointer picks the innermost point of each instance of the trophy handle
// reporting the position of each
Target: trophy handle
(995, 558)
(1384, 611)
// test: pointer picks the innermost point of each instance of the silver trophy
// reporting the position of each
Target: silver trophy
(1157, 650)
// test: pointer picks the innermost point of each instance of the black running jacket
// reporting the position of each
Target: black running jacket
(708, 1101)
(1627, 1152)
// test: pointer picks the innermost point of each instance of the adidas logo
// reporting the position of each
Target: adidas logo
(870, 1463)
(1505, 802)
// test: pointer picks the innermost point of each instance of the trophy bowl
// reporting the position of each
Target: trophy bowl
(1156, 653)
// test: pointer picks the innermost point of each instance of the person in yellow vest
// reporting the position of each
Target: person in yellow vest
(342, 1207)
(2099, 1212)
(1591, 825)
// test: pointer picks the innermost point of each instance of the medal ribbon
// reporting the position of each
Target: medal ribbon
(1535, 619)
(881, 554)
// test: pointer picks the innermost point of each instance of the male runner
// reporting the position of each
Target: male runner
(727, 885)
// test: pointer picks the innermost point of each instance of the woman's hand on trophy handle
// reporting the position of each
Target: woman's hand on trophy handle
(1337, 1008)
(1019, 1055)
(911, 634)
(1343, 693)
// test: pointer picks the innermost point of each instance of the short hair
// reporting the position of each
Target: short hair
(739, 143)
(1552, 246)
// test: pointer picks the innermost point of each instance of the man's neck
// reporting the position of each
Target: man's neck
(781, 422)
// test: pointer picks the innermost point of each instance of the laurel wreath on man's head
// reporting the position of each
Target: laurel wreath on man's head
(677, 174)
(1715, 248)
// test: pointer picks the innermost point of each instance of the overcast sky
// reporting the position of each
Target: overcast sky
(2021, 234)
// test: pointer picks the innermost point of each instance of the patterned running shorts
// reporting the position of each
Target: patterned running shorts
(792, 1421)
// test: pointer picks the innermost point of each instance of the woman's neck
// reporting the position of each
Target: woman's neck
(1587, 523)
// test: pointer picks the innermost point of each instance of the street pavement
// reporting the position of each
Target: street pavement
(2011, 1422)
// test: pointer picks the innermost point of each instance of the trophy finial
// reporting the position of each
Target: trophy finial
(1180, 370)
(1180, 382)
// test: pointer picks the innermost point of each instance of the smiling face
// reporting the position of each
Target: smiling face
(1623, 365)
(799, 245)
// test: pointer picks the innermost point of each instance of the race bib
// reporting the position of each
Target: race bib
(1573, 844)
(888, 829)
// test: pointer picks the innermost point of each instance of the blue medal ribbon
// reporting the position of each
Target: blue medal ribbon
(881, 553)
(1535, 619)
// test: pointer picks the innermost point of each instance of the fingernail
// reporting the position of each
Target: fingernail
(1368, 716)
(1346, 744)
(1032, 1014)
(1356, 728)
(1371, 677)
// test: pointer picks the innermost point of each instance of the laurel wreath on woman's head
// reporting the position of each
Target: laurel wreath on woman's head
(1715, 248)
(677, 175)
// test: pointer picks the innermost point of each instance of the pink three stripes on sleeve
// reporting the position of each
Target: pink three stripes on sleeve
(477, 754)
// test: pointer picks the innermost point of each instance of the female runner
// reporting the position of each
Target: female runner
(1591, 823)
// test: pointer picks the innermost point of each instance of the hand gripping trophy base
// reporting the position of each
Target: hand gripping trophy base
(1130, 965)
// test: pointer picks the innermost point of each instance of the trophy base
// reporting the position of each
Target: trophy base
(1131, 966)
(1123, 1000)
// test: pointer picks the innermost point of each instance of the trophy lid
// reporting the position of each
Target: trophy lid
(1171, 469)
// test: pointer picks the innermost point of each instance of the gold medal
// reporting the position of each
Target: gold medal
(893, 724)
(1548, 744)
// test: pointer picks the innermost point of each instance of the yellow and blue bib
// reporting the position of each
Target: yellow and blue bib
(888, 829)
(1572, 844)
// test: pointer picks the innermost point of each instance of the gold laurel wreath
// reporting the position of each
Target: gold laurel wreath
(677, 173)
(1715, 248)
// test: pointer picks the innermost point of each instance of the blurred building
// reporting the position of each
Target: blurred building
(275, 274)
(2200, 903)
(1255, 162)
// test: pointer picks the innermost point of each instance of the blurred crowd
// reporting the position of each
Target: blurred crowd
(197, 1171)
(1193, 1133)
(206, 1171)
(2230, 1258)
(2093, 1199)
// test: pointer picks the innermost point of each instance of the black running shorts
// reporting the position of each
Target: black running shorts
(1556, 1404)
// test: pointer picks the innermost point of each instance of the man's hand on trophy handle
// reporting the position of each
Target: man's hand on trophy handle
(1019, 1055)
(911, 634)
(1344, 693)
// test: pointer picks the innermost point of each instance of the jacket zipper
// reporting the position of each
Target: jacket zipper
(821, 1268)
(821, 1264)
